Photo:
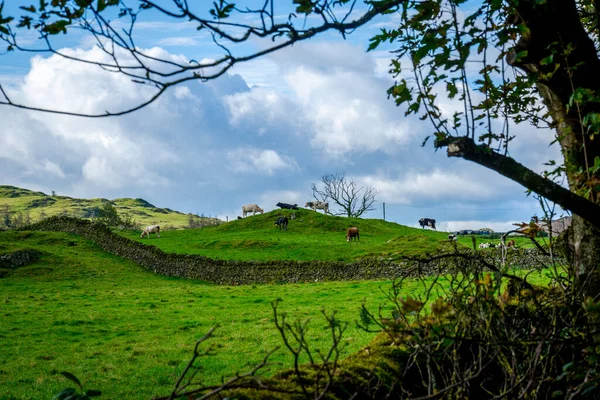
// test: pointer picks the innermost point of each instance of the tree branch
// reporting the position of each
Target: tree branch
(466, 148)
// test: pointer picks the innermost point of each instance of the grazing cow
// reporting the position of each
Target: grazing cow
(239, 217)
(282, 223)
(318, 205)
(288, 206)
(484, 245)
(253, 208)
(510, 243)
(430, 222)
(452, 238)
(150, 229)
(352, 233)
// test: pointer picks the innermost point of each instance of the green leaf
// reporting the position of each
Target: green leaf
(57, 27)
(101, 5)
(451, 89)
(548, 60)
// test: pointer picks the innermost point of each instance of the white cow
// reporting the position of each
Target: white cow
(253, 208)
(318, 205)
(151, 229)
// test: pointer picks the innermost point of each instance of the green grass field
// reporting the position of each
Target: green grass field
(311, 236)
(127, 332)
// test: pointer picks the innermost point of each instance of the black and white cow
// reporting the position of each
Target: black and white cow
(288, 206)
(318, 205)
(430, 222)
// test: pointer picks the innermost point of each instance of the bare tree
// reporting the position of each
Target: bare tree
(353, 199)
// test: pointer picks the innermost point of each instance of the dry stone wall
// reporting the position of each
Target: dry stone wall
(230, 272)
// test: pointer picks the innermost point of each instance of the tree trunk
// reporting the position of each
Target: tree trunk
(555, 29)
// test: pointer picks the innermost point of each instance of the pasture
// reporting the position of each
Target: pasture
(310, 236)
(127, 332)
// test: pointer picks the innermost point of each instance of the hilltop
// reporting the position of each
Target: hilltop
(310, 236)
(38, 205)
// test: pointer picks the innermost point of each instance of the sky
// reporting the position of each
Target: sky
(262, 133)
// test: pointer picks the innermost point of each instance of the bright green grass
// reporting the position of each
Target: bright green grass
(127, 332)
(311, 236)
(23, 200)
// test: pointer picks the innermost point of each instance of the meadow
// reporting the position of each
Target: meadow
(128, 332)
(310, 236)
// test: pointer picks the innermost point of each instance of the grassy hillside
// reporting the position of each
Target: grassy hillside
(39, 204)
(311, 236)
(127, 332)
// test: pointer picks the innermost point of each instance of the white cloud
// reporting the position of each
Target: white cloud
(434, 185)
(251, 161)
(185, 41)
(53, 168)
(334, 100)
(323, 109)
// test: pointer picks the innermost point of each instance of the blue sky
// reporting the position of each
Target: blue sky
(263, 133)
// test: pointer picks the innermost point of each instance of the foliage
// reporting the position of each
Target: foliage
(107, 215)
(485, 338)
(441, 40)
(72, 394)
(354, 200)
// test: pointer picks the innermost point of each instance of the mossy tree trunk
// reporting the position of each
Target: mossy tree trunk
(560, 55)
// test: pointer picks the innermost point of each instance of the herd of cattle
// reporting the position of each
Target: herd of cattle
(351, 234)
(282, 222)
(314, 205)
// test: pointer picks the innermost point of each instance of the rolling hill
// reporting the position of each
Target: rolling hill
(17, 201)
(310, 236)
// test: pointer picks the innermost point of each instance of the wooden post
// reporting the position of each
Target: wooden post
(384, 210)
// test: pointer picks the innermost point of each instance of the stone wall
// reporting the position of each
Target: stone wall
(230, 272)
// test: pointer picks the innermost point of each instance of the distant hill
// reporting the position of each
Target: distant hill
(19, 202)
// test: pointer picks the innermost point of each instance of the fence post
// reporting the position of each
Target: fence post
(384, 210)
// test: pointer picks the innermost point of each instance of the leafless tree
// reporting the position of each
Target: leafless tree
(353, 199)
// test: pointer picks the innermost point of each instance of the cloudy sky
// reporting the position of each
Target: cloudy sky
(262, 133)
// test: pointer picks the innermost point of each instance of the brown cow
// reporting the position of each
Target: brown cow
(352, 233)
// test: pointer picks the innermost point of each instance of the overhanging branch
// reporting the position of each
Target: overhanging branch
(466, 148)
